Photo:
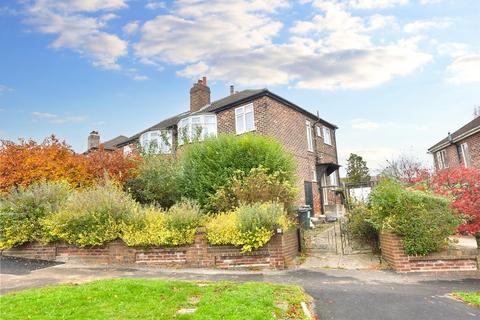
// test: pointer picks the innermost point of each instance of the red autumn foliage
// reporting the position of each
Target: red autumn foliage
(112, 163)
(27, 161)
(463, 185)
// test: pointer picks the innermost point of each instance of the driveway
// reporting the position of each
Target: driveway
(338, 294)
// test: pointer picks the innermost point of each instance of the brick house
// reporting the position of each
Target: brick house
(110, 145)
(461, 148)
(310, 139)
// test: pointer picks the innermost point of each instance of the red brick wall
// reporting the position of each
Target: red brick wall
(453, 157)
(288, 126)
(279, 253)
(449, 260)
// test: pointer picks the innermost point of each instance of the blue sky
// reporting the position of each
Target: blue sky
(394, 75)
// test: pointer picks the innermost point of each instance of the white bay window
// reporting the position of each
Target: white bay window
(197, 128)
(157, 141)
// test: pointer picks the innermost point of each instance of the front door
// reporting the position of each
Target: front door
(309, 194)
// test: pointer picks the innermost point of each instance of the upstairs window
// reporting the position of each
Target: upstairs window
(327, 137)
(244, 119)
(157, 141)
(197, 128)
(309, 136)
(319, 131)
(466, 155)
(442, 159)
(127, 150)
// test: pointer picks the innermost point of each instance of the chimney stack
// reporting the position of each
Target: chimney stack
(232, 89)
(93, 140)
(199, 95)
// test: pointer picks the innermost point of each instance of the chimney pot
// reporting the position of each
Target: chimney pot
(232, 89)
(204, 80)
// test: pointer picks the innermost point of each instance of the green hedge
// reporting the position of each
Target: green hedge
(423, 220)
(22, 210)
(210, 165)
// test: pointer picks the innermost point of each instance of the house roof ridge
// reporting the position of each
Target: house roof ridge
(465, 129)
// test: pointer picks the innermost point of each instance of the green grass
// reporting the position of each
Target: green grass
(472, 298)
(155, 299)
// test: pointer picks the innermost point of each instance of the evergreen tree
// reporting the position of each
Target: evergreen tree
(357, 170)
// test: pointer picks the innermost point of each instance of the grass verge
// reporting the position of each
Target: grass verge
(156, 299)
(472, 298)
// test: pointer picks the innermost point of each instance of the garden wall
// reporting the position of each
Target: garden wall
(279, 253)
(447, 260)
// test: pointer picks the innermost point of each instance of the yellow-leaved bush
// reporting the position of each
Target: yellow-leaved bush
(155, 227)
(249, 226)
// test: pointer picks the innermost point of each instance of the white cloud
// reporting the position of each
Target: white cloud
(131, 27)
(465, 69)
(422, 25)
(154, 5)
(430, 1)
(376, 4)
(79, 32)
(365, 124)
(139, 77)
(235, 42)
(454, 49)
(4, 89)
(56, 119)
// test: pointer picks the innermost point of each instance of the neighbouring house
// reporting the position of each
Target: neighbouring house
(310, 139)
(460, 148)
(94, 143)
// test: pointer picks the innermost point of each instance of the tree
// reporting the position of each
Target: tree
(463, 185)
(406, 169)
(357, 170)
(111, 163)
(26, 162)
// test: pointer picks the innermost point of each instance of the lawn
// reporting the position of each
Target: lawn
(472, 298)
(155, 299)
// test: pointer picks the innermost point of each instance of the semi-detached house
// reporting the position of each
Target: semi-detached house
(310, 139)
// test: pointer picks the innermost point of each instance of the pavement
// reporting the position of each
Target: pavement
(338, 294)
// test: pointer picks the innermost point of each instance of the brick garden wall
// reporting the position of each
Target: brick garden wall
(448, 260)
(279, 253)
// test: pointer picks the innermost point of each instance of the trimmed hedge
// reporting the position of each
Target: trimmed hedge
(423, 220)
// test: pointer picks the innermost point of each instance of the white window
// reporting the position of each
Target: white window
(244, 119)
(319, 131)
(314, 175)
(466, 155)
(325, 182)
(442, 159)
(333, 179)
(327, 138)
(127, 150)
(156, 141)
(309, 136)
(197, 128)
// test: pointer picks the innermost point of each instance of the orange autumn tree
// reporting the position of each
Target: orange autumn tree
(27, 161)
(114, 164)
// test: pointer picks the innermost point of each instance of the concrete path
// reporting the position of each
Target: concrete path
(338, 294)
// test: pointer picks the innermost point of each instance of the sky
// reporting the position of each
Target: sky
(394, 75)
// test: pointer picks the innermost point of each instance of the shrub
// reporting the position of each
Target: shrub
(210, 165)
(100, 163)
(21, 211)
(250, 226)
(361, 227)
(255, 186)
(26, 162)
(463, 185)
(158, 181)
(91, 217)
(154, 227)
(423, 220)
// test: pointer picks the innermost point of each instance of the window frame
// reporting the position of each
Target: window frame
(310, 144)
(161, 147)
(467, 161)
(318, 131)
(442, 159)
(241, 112)
(203, 122)
(329, 131)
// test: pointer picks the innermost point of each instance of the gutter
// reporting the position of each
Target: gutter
(454, 140)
